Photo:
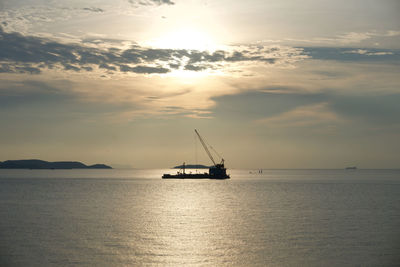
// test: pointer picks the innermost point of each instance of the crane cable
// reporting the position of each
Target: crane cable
(213, 150)
(195, 147)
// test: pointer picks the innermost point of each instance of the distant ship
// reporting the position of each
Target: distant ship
(217, 171)
(351, 168)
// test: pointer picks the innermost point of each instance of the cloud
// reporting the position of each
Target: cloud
(368, 53)
(31, 16)
(303, 116)
(143, 69)
(26, 17)
(342, 39)
(16, 96)
(364, 39)
(30, 54)
(351, 54)
(379, 109)
(93, 9)
(18, 68)
(169, 95)
(263, 103)
(189, 113)
(393, 33)
(151, 2)
(286, 107)
(197, 67)
(354, 37)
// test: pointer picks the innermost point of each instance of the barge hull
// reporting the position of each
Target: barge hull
(194, 176)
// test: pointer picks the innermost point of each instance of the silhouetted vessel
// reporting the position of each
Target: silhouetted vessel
(351, 168)
(217, 171)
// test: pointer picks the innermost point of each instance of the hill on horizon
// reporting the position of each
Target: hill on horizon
(41, 164)
(192, 166)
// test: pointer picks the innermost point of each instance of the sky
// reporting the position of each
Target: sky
(268, 84)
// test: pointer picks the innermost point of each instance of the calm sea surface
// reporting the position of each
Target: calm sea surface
(134, 218)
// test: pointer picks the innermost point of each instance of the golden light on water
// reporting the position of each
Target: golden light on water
(176, 224)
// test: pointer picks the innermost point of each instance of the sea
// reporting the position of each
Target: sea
(132, 217)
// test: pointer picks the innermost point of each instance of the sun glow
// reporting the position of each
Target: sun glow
(186, 38)
(188, 77)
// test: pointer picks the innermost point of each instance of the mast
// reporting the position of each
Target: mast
(205, 147)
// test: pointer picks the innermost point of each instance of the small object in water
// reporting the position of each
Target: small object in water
(351, 168)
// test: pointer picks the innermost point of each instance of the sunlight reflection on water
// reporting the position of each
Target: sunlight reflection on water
(133, 217)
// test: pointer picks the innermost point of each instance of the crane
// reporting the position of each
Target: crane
(218, 171)
(208, 151)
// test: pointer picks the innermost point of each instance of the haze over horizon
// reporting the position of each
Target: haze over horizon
(269, 84)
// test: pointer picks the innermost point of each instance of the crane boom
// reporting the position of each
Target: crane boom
(205, 147)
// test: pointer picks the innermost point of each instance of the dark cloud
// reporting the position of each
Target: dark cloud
(30, 93)
(71, 67)
(26, 103)
(151, 2)
(332, 73)
(108, 67)
(261, 104)
(5, 68)
(174, 66)
(196, 67)
(93, 9)
(143, 69)
(377, 109)
(28, 69)
(18, 68)
(29, 54)
(18, 49)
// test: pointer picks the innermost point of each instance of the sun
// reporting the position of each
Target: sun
(185, 38)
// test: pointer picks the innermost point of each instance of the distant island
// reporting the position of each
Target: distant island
(192, 166)
(41, 164)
